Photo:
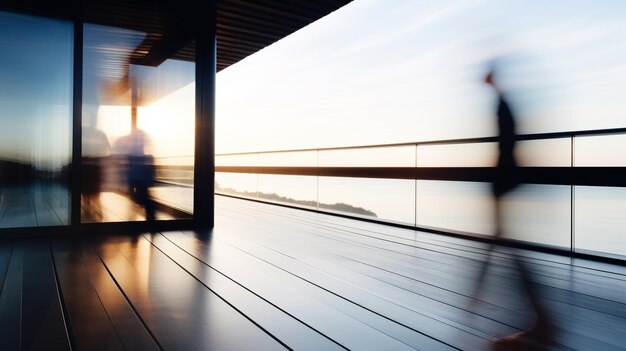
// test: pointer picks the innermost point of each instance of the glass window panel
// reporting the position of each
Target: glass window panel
(176, 178)
(600, 151)
(544, 153)
(36, 64)
(237, 184)
(530, 153)
(599, 220)
(384, 199)
(539, 214)
(534, 213)
(288, 159)
(292, 190)
(460, 206)
(457, 155)
(396, 156)
(237, 160)
(138, 131)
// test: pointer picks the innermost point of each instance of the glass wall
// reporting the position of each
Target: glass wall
(599, 211)
(36, 63)
(138, 131)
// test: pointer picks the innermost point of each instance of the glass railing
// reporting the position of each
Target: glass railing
(572, 196)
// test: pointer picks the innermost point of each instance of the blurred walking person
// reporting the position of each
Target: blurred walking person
(541, 335)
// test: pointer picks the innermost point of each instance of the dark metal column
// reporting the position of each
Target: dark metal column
(77, 102)
(204, 171)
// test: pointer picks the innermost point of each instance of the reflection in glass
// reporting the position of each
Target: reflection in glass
(35, 120)
(138, 131)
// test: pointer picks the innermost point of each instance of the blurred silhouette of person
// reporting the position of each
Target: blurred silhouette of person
(139, 171)
(541, 334)
(95, 149)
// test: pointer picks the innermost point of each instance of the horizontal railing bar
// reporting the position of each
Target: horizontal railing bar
(591, 176)
(536, 136)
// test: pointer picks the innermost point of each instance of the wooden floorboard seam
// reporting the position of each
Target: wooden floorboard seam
(572, 279)
(500, 255)
(68, 329)
(326, 219)
(259, 296)
(576, 293)
(245, 315)
(130, 303)
(6, 270)
(348, 300)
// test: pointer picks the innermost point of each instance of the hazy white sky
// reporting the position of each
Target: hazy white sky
(379, 71)
(375, 71)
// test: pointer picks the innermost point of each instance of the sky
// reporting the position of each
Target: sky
(380, 71)
(372, 72)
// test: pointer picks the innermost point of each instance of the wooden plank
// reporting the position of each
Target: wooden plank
(90, 326)
(11, 302)
(128, 325)
(43, 323)
(292, 331)
(6, 251)
(431, 325)
(554, 276)
(440, 272)
(182, 313)
(441, 254)
(354, 327)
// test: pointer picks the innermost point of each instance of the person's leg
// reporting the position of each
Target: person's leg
(542, 334)
(544, 327)
(482, 273)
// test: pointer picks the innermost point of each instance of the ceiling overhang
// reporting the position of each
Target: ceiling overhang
(243, 26)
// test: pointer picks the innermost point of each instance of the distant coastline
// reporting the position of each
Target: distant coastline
(340, 206)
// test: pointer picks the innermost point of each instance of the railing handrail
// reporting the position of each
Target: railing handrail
(521, 137)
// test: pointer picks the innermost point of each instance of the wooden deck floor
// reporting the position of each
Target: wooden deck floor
(271, 278)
